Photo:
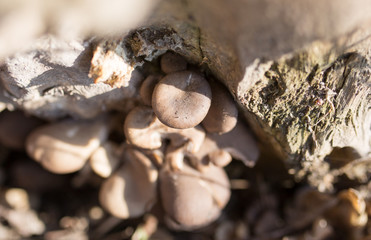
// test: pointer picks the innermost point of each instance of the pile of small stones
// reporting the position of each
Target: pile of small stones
(176, 142)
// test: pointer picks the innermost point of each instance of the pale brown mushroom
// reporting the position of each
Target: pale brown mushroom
(240, 143)
(147, 87)
(349, 211)
(172, 62)
(65, 146)
(132, 190)
(105, 159)
(174, 157)
(192, 199)
(220, 149)
(220, 157)
(210, 153)
(181, 99)
(143, 129)
(223, 112)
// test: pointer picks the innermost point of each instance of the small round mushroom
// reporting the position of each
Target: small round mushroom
(147, 87)
(132, 190)
(223, 112)
(65, 146)
(172, 62)
(192, 199)
(181, 99)
(105, 159)
(143, 129)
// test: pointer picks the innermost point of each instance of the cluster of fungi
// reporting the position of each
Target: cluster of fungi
(177, 141)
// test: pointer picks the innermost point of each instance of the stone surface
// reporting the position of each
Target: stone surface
(52, 81)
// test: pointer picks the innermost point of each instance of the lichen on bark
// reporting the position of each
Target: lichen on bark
(306, 102)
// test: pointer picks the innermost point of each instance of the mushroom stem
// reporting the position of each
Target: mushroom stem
(143, 129)
(239, 143)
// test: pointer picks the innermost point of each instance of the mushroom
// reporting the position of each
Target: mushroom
(220, 157)
(181, 99)
(349, 212)
(143, 129)
(219, 149)
(14, 128)
(22, 170)
(239, 143)
(172, 62)
(132, 190)
(64, 147)
(147, 87)
(192, 199)
(210, 153)
(223, 112)
(105, 159)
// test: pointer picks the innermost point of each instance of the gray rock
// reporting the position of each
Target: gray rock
(52, 81)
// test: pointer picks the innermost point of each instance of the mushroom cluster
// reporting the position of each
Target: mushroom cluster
(177, 141)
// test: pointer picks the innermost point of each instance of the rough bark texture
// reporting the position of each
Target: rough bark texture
(300, 70)
(312, 101)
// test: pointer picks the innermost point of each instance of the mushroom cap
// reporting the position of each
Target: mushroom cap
(64, 147)
(105, 159)
(172, 62)
(147, 87)
(142, 127)
(220, 157)
(181, 99)
(193, 199)
(132, 190)
(223, 112)
(349, 211)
